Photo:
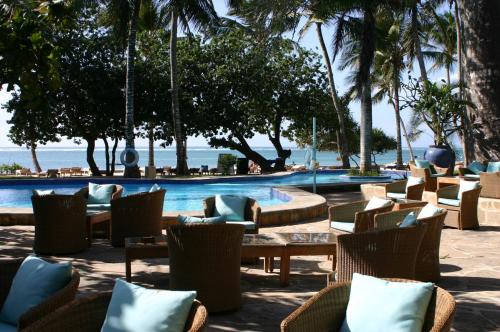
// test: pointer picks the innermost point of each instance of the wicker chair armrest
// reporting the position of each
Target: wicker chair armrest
(415, 191)
(396, 187)
(8, 269)
(197, 318)
(81, 315)
(325, 311)
(83, 192)
(209, 206)
(363, 220)
(450, 192)
(442, 170)
(464, 171)
(117, 193)
(388, 220)
(421, 173)
(60, 298)
(470, 198)
(346, 212)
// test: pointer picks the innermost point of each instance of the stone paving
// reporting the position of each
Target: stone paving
(470, 264)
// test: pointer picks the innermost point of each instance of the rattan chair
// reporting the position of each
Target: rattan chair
(60, 224)
(425, 173)
(87, 314)
(427, 267)
(207, 258)
(354, 213)
(117, 192)
(413, 192)
(8, 269)
(136, 215)
(491, 184)
(463, 216)
(326, 311)
(388, 253)
(252, 213)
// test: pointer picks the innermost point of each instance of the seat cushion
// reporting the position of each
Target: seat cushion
(493, 167)
(154, 187)
(100, 193)
(396, 195)
(449, 201)
(34, 282)
(466, 186)
(6, 327)
(377, 203)
(198, 220)
(380, 305)
(135, 308)
(249, 225)
(476, 167)
(409, 221)
(233, 207)
(99, 207)
(343, 226)
(437, 175)
(428, 211)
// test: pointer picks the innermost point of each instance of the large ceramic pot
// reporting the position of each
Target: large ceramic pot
(440, 155)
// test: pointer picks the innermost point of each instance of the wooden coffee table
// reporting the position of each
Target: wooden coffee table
(137, 248)
(403, 203)
(96, 217)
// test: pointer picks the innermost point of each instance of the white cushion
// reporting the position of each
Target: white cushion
(466, 186)
(377, 203)
(396, 195)
(343, 226)
(428, 211)
(412, 181)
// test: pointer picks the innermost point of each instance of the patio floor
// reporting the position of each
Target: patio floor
(470, 265)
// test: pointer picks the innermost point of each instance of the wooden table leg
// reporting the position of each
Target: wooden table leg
(271, 264)
(128, 267)
(284, 270)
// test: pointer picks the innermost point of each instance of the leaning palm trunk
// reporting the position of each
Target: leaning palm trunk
(129, 88)
(180, 141)
(36, 164)
(412, 156)
(399, 149)
(366, 59)
(481, 42)
(344, 147)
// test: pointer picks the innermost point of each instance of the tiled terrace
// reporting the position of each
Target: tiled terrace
(470, 262)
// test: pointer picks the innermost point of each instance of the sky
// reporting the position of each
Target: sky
(383, 114)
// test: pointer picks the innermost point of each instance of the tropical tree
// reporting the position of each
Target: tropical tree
(443, 47)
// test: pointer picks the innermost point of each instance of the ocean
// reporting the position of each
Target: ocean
(57, 157)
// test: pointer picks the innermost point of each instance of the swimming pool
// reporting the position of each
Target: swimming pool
(182, 195)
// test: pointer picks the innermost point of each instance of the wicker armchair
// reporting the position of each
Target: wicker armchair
(117, 192)
(425, 173)
(87, 314)
(136, 215)
(463, 216)
(427, 267)
(354, 213)
(8, 269)
(252, 213)
(326, 310)
(414, 192)
(388, 253)
(60, 224)
(207, 258)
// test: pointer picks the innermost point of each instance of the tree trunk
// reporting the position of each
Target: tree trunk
(90, 157)
(412, 156)
(365, 63)
(416, 42)
(244, 148)
(399, 148)
(151, 150)
(129, 89)
(180, 140)
(36, 164)
(481, 27)
(106, 155)
(113, 156)
(344, 147)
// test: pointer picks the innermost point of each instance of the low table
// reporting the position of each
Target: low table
(444, 181)
(283, 245)
(403, 203)
(96, 217)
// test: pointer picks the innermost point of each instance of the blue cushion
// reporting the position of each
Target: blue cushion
(396, 195)
(467, 186)
(493, 167)
(420, 163)
(133, 308)
(194, 220)
(5, 327)
(99, 207)
(449, 201)
(377, 305)
(476, 167)
(409, 221)
(343, 226)
(233, 207)
(37, 192)
(100, 194)
(249, 225)
(154, 188)
(35, 281)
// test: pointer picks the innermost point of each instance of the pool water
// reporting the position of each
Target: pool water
(182, 195)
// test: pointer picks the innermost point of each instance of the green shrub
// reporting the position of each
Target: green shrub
(227, 161)
(9, 168)
(357, 172)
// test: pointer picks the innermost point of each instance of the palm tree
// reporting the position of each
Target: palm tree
(443, 36)
(198, 14)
